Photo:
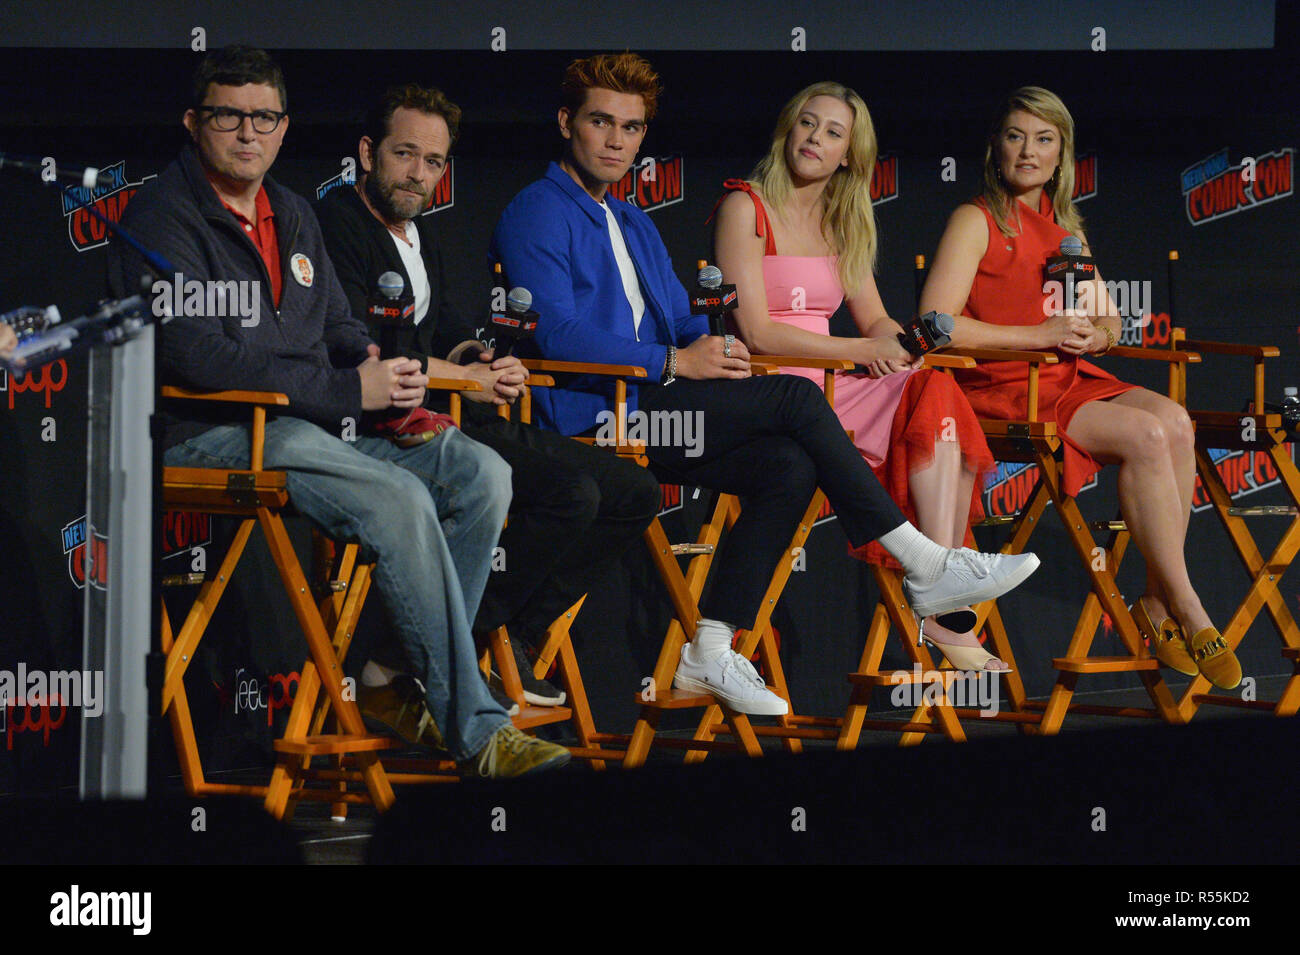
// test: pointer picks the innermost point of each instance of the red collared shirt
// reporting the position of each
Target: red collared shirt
(263, 235)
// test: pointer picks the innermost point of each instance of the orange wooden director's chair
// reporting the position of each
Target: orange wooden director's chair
(258, 496)
(1037, 442)
(1261, 434)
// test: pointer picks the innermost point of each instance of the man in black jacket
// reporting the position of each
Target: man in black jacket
(574, 508)
(270, 316)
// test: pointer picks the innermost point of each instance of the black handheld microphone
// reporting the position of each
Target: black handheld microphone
(712, 298)
(927, 332)
(390, 307)
(516, 323)
(1069, 268)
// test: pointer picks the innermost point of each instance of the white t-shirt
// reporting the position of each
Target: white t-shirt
(631, 287)
(414, 268)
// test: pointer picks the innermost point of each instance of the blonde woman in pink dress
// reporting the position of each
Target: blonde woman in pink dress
(798, 238)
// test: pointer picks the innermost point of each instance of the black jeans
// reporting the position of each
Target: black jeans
(574, 510)
(772, 440)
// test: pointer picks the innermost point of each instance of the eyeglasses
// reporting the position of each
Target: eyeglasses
(227, 119)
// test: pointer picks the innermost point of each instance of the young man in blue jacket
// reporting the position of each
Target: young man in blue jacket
(605, 291)
(429, 513)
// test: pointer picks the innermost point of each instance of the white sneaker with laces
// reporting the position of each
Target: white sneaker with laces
(731, 678)
(968, 578)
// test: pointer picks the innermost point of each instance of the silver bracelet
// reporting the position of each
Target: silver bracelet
(670, 367)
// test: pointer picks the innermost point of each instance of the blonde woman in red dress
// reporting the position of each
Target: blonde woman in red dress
(988, 272)
(799, 238)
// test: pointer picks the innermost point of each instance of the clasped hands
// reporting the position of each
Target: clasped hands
(400, 382)
(1074, 333)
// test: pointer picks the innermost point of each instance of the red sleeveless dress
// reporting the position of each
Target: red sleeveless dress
(895, 420)
(1008, 290)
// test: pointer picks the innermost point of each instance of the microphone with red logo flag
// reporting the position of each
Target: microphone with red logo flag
(390, 307)
(713, 299)
(516, 323)
(1069, 268)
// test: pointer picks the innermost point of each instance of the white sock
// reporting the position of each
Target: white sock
(922, 558)
(712, 637)
(376, 674)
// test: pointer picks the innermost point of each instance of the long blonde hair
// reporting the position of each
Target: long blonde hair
(1048, 107)
(849, 223)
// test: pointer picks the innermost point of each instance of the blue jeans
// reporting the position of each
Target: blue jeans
(429, 515)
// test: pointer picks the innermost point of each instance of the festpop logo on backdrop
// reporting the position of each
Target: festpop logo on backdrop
(85, 232)
(1214, 187)
(444, 193)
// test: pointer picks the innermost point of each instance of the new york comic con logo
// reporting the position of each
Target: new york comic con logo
(85, 232)
(1085, 177)
(182, 532)
(1242, 473)
(1214, 188)
(884, 180)
(1008, 489)
(444, 193)
(651, 183)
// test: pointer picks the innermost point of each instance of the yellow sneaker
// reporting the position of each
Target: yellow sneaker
(510, 753)
(398, 709)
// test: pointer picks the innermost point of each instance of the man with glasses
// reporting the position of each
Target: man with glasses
(430, 511)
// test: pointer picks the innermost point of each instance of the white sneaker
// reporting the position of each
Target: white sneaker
(732, 679)
(968, 578)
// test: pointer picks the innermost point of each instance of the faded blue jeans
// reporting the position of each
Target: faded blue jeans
(430, 516)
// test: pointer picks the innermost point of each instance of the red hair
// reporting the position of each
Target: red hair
(620, 72)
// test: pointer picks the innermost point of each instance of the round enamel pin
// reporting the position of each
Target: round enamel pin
(303, 271)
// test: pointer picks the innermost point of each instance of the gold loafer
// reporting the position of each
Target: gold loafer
(1216, 661)
(1166, 640)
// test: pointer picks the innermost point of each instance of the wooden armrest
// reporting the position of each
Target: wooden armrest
(540, 381)
(1005, 354)
(946, 360)
(795, 361)
(583, 368)
(1153, 354)
(454, 384)
(240, 397)
(1232, 348)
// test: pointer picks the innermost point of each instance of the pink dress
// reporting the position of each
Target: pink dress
(895, 420)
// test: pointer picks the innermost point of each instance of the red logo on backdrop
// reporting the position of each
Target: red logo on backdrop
(672, 500)
(47, 380)
(1085, 177)
(273, 693)
(1214, 187)
(1008, 489)
(651, 183)
(75, 547)
(85, 232)
(1242, 473)
(884, 180)
(32, 718)
(182, 531)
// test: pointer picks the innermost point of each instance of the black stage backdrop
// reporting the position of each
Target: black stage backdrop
(1148, 110)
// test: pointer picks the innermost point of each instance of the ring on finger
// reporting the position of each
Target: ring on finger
(727, 342)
